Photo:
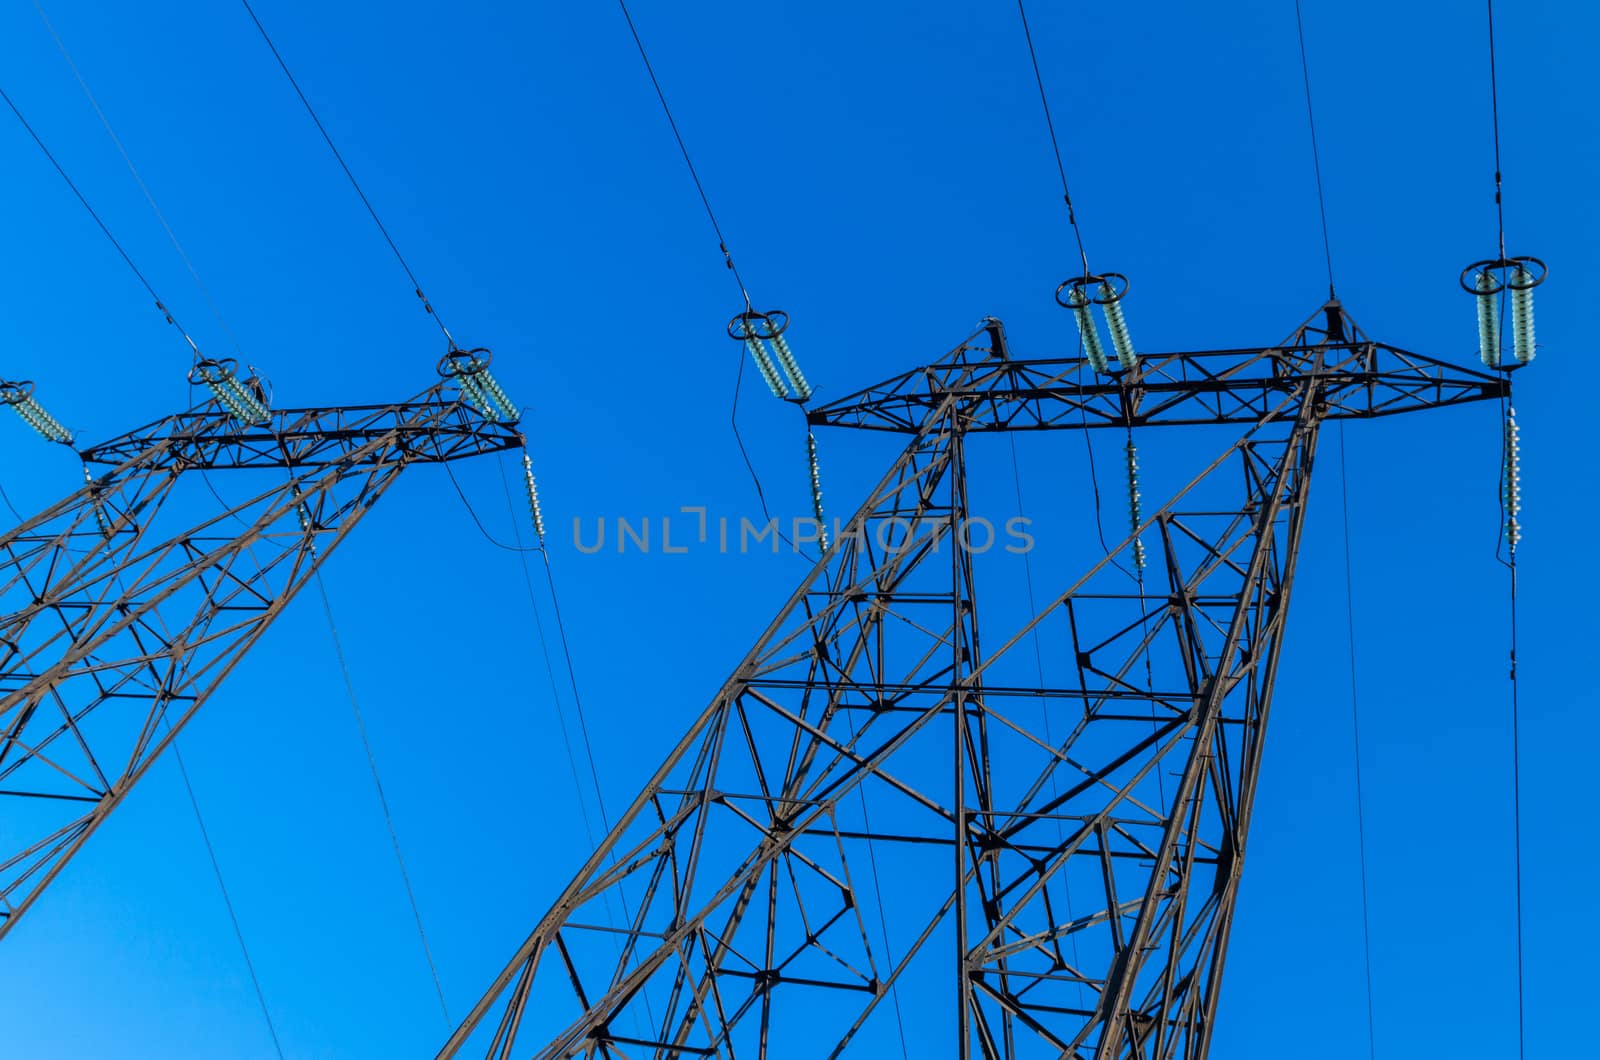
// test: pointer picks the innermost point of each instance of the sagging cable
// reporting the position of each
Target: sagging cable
(1135, 505)
(532, 488)
(469, 370)
(1488, 280)
(20, 397)
(244, 400)
(1511, 481)
(759, 330)
(816, 490)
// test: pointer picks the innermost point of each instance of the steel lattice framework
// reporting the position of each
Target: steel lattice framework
(885, 805)
(119, 618)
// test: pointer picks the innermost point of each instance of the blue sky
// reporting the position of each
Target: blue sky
(883, 174)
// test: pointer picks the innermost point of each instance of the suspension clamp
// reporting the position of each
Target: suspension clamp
(1114, 288)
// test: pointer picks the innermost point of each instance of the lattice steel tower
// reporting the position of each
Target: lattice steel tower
(1056, 872)
(119, 617)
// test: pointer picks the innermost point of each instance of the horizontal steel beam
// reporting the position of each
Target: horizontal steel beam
(1356, 379)
(434, 427)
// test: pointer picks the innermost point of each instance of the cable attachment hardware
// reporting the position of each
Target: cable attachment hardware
(1511, 481)
(469, 370)
(20, 397)
(1135, 507)
(95, 490)
(759, 330)
(1489, 278)
(816, 490)
(533, 496)
(1106, 290)
(302, 514)
(245, 400)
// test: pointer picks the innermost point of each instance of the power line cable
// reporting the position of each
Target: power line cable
(354, 183)
(372, 763)
(561, 721)
(1355, 710)
(1044, 705)
(572, 678)
(711, 215)
(327, 607)
(205, 836)
(883, 926)
(1355, 731)
(194, 802)
(1510, 562)
(877, 891)
(1055, 144)
(1077, 231)
(227, 901)
(1516, 805)
(1316, 157)
(1144, 629)
(133, 169)
(1094, 477)
(722, 245)
(73, 187)
(583, 724)
(733, 421)
(738, 439)
(383, 800)
(482, 529)
(549, 666)
(755, 477)
(1494, 107)
(5, 497)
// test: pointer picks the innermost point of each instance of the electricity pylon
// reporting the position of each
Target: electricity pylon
(890, 812)
(119, 617)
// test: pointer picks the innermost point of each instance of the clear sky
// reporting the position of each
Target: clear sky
(883, 174)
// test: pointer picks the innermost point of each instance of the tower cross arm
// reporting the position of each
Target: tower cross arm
(1358, 379)
(433, 427)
